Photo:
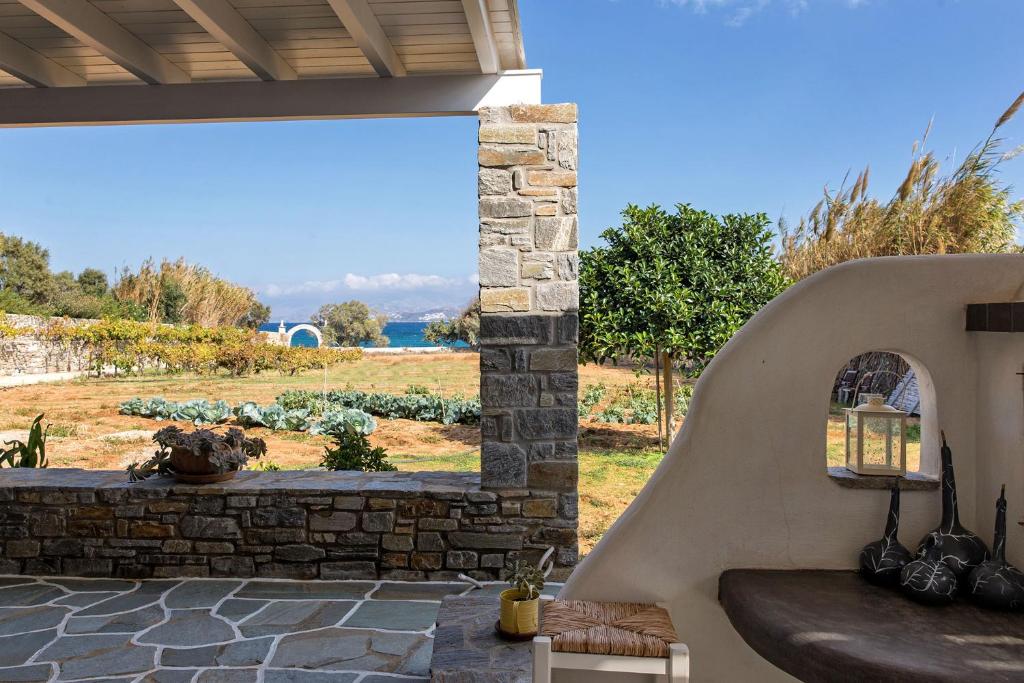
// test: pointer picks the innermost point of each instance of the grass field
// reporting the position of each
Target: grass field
(88, 432)
(615, 459)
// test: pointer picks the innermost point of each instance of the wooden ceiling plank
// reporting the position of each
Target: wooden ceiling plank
(362, 24)
(92, 27)
(224, 23)
(33, 68)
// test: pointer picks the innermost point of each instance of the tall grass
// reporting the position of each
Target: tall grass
(968, 211)
(208, 300)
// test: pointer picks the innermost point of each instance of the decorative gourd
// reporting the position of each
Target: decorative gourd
(962, 550)
(882, 561)
(996, 583)
(928, 579)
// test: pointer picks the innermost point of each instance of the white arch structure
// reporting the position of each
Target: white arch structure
(743, 484)
(290, 332)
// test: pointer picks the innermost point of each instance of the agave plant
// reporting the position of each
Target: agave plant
(27, 454)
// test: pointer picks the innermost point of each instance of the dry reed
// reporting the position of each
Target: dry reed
(968, 211)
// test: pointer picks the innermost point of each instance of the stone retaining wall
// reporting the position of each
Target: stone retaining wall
(298, 524)
(29, 355)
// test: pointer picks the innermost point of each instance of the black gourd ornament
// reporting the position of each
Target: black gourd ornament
(996, 583)
(962, 550)
(928, 579)
(882, 561)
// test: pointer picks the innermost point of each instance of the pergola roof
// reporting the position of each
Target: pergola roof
(90, 45)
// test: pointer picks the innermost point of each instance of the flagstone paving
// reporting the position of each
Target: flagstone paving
(61, 630)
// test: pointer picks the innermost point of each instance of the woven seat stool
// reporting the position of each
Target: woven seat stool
(623, 637)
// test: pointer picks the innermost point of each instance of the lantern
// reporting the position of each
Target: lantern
(876, 438)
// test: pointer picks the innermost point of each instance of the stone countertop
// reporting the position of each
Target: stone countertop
(246, 482)
(467, 650)
(823, 626)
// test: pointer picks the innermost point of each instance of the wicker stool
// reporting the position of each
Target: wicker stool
(622, 637)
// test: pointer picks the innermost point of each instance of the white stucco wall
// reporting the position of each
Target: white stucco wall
(744, 482)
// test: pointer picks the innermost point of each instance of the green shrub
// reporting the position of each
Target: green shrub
(419, 407)
(352, 451)
(592, 395)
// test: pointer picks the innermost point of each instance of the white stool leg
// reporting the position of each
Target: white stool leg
(678, 665)
(541, 659)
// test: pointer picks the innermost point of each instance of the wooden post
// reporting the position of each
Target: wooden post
(678, 665)
(666, 361)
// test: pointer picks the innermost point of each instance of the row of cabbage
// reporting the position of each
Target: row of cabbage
(251, 414)
(422, 407)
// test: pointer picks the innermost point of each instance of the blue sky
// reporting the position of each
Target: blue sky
(731, 105)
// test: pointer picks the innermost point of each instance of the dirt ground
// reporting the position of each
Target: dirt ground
(615, 459)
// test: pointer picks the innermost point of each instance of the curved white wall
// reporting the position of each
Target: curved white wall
(744, 482)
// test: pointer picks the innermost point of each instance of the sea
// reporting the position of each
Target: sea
(399, 334)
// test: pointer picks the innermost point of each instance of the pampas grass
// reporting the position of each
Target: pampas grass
(967, 211)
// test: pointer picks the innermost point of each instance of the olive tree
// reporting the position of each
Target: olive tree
(674, 287)
(351, 323)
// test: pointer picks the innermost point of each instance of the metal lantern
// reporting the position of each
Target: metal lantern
(876, 438)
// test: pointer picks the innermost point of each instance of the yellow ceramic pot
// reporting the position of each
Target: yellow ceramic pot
(519, 616)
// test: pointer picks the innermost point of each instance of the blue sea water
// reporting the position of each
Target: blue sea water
(398, 334)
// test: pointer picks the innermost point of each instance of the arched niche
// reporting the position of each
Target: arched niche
(905, 384)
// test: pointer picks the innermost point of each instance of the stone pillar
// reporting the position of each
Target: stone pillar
(529, 297)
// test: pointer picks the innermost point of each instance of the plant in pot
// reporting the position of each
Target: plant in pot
(199, 457)
(520, 604)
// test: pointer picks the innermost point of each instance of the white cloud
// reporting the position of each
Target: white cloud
(396, 281)
(378, 282)
(739, 11)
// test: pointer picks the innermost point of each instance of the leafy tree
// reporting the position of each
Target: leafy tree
(257, 315)
(25, 269)
(93, 282)
(465, 328)
(674, 287)
(171, 302)
(12, 302)
(351, 323)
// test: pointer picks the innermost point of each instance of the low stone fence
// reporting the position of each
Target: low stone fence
(296, 524)
(31, 355)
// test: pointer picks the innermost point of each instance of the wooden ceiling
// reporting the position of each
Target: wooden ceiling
(69, 43)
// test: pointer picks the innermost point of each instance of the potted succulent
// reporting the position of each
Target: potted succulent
(199, 457)
(520, 604)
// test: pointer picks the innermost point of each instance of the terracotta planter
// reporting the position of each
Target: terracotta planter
(189, 469)
(519, 617)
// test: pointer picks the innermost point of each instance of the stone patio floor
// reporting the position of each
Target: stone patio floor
(219, 630)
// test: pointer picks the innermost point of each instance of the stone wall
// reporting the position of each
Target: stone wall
(298, 524)
(32, 355)
(529, 299)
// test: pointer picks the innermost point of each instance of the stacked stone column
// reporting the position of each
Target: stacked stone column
(529, 298)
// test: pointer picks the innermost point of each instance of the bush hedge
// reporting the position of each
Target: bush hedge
(131, 347)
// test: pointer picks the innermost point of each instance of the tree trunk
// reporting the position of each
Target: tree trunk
(666, 361)
(657, 394)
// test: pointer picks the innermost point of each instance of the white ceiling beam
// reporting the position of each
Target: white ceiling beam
(231, 30)
(25, 63)
(95, 29)
(362, 25)
(479, 19)
(327, 98)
